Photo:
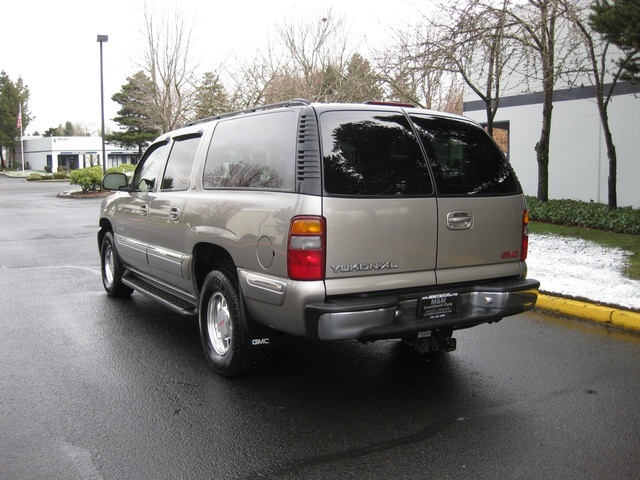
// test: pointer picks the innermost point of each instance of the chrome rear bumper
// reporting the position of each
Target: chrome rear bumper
(398, 315)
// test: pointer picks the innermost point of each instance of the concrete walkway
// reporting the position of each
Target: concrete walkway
(611, 316)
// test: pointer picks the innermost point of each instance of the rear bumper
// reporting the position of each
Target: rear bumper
(399, 315)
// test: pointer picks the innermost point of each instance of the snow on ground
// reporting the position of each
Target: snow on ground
(578, 268)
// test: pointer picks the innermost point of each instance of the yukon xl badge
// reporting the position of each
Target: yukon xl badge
(364, 267)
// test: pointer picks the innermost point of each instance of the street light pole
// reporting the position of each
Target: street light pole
(102, 39)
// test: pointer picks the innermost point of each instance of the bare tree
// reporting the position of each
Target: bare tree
(167, 63)
(310, 59)
(413, 69)
(253, 80)
(316, 50)
(545, 32)
(453, 101)
(600, 68)
(476, 43)
(464, 43)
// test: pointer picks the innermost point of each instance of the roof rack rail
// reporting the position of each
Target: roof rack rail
(390, 104)
(288, 103)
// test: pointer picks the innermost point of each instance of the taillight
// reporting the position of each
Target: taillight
(306, 248)
(524, 247)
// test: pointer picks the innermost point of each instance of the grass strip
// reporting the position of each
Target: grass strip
(628, 242)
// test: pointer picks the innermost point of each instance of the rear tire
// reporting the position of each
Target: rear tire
(220, 318)
(111, 269)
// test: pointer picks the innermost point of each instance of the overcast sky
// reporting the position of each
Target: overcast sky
(52, 44)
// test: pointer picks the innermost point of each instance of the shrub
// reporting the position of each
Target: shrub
(37, 177)
(585, 214)
(88, 178)
(47, 168)
(59, 175)
(124, 168)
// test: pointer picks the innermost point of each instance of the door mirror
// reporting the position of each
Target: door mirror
(115, 181)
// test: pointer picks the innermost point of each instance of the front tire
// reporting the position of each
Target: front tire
(111, 269)
(220, 318)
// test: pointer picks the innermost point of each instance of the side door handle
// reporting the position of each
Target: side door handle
(174, 214)
(144, 210)
(460, 220)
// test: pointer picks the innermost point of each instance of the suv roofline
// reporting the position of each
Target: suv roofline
(387, 106)
(289, 103)
(320, 106)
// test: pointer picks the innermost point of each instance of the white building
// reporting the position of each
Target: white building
(578, 162)
(71, 152)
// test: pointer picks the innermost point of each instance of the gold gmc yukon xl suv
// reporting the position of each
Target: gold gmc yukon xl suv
(328, 221)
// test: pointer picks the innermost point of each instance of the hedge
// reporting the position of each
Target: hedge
(123, 168)
(585, 214)
(90, 179)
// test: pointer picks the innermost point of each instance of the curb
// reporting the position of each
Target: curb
(610, 316)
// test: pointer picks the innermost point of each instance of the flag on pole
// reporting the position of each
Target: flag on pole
(19, 126)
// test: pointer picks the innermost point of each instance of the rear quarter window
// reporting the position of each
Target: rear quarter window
(369, 153)
(255, 151)
(464, 160)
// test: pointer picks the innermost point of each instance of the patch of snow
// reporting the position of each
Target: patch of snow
(578, 268)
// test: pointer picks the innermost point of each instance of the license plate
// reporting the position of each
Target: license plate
(436, 306)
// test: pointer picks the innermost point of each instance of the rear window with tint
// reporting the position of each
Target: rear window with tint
(465, 161)
(372, 153)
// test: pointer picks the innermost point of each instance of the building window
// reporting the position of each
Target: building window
(501, 135)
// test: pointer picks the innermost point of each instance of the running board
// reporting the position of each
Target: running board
(175, 303)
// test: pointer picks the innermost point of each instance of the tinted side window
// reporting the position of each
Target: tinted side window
(372, 153)
(464, 159)
(177, 174)
(253, 152)
(146, 175)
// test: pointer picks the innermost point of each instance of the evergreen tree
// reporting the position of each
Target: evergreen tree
(138, 129)
(69, 131)
(54, 132)
(619, 22)
(361, 83)
(210, 97)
